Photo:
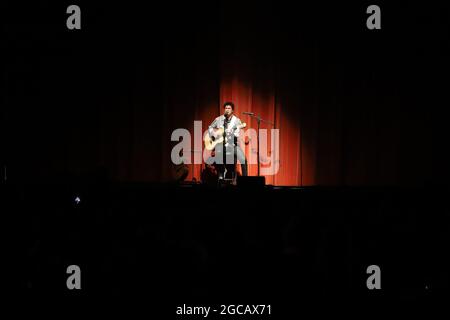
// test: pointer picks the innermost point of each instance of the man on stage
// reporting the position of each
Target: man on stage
(231, 125)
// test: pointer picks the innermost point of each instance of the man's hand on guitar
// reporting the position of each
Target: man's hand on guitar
(217, 132)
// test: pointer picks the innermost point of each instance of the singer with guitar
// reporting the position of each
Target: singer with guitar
(223, 134)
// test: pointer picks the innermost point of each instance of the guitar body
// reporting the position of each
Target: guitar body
(211, 142)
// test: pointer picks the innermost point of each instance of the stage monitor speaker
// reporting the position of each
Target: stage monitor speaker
(251, 182)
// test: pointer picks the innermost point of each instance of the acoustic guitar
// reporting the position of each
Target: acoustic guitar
(211, 142)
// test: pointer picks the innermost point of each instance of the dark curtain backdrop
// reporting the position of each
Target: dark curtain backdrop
(353, 106)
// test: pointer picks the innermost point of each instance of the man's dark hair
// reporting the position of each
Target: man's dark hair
(229, 104)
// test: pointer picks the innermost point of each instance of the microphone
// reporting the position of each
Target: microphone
(249, 113)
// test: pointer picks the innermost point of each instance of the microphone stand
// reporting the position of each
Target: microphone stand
(259, 120)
